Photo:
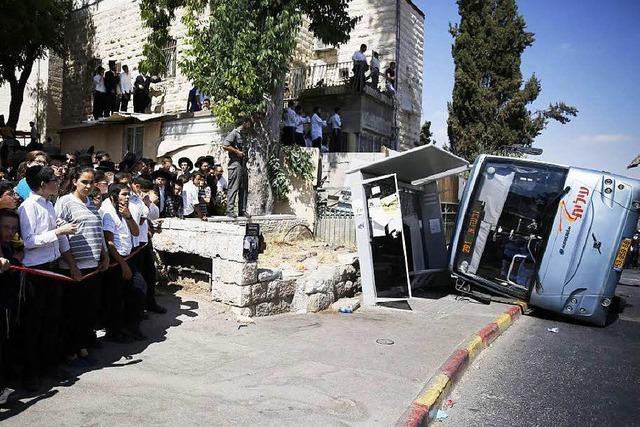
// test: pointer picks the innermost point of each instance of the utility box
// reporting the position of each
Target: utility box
(398, 220)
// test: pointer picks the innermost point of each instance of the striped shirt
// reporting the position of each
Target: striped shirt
(88, 242)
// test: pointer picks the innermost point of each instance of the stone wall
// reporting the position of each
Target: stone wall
(240, 284)
(410, 69)
(113, 30)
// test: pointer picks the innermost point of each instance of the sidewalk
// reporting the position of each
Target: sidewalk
(200, 367)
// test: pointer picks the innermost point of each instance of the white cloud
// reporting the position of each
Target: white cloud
(604, 138)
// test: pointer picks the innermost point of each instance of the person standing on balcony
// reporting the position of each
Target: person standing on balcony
(374, 71)
(99, 93)
(316, 128)
(110, 84)
(390, 76)
(301, 119)
(289, 130)
(335, 125)
(126, 88)
(359, 67)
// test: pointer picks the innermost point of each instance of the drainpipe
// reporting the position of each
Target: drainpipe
(395, 103)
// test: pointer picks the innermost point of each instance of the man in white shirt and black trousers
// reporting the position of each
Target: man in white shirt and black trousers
(359, 67)
(289, 131)
(126, 88)
(335, 125)
(44, 242)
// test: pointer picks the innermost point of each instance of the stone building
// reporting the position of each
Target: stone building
(102, 30)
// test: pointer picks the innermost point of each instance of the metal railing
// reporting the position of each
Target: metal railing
(335, 227)
(324, 75)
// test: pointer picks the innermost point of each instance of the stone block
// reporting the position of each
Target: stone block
(267, 275)
(348, 287)
(241, 273)
(239, 296)
(259, 292)
(319, 302)
(339, 289)
(314, 285)
(286, 287)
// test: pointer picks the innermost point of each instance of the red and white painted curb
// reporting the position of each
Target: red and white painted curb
(424, 408)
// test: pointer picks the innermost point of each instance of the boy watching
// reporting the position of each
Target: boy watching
(173, 207)
(191, 198)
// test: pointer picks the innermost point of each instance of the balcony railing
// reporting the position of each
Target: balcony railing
(324, 75)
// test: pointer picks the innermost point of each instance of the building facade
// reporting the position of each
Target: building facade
(103, 30)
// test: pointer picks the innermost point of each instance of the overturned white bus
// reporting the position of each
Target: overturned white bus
(552, 235)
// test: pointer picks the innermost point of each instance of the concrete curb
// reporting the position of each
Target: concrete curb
(425, 406)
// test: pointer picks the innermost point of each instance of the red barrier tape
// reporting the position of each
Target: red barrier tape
(62, 277)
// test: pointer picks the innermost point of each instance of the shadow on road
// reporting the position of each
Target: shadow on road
(111, 355)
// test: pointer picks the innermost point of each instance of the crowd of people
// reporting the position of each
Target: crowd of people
(76, 247)
(308, 131)
(113, 90)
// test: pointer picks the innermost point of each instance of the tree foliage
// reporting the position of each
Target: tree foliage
(426, 134)
(239, 50)
(29, 29)
(489, 106)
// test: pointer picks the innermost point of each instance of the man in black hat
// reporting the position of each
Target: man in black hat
(235, 146)
(162, 186)
(186, 165)
(131, 163)
(110, 84)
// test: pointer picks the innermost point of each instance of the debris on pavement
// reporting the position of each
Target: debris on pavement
(449, 404)
(554, 330)
(441, 415)
(385, 341)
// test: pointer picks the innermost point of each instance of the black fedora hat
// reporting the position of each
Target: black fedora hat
(129, 161)
(208, 159)
(187, 160)
(106, 166)
(162, 173)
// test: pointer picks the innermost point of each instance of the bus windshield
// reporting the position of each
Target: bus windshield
(508, 221)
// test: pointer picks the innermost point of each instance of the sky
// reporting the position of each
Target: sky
(586, 53)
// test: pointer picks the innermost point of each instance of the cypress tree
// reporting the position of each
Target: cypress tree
(489, 111)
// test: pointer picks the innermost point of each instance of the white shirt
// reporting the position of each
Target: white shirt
(316, 126)
(189, 198)
(358, 56)
(98, 83)
(161, 191)
(125, 83)
(222, 184)
(37, 227)
(375, 63)
(300, 121)
(139, 211)
(118, 226)
(290, 118)
(335, 121)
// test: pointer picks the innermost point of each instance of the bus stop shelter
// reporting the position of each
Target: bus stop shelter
(398, 220)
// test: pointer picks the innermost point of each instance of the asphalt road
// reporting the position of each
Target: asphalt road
(581, 375)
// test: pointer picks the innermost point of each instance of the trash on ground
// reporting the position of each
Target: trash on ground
(441, 415)
(554, 330)
(346, 310)
(385, 341)
(449, 404)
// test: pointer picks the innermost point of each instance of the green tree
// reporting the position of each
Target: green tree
(238, 55)
(489, 107)
(426, 134)
(29, 30)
